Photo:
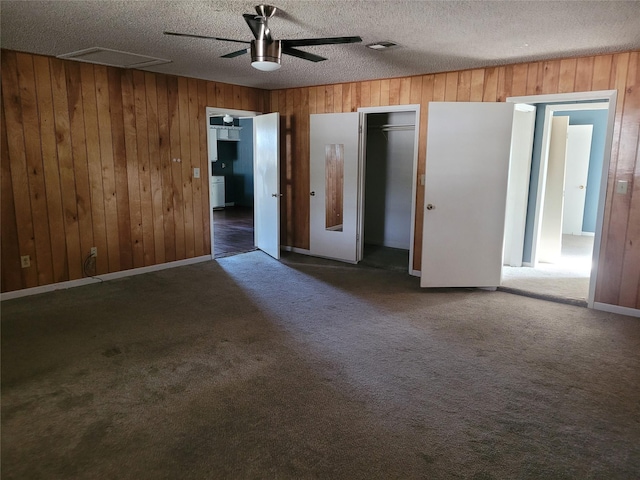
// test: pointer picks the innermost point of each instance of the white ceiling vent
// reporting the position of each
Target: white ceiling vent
(113, 58)
(385, 45)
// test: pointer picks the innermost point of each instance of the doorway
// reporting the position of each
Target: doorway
(388, 175)
(257, 178)
(566, 199)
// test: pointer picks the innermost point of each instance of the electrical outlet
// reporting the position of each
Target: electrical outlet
(25, 261)
(621, 187)
(196, 173)
(94, 251)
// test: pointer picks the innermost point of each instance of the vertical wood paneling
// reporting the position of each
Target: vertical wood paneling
(337, 98)
(48, 144)
(601, 72)
(125, 251)
(365, 94)
(89, 103)
(394, 91)
(584, 74)
(451, 87)
(505, 82)
(108, 168)
(80, 161)
(67, 173)
(133, 168)
(567, 78)
(623, 231)
(165, 160)
(606, 285)
(477, 85)
(464, 86)
(405, 90)
(375, 93)
(10, 255)
(26, 78)
(12, 107)
(490, 90)
(385, 86)
(194, 155)
(155, 166)
(519, 85)
(185, 156)
(100, 145)
(144, 175)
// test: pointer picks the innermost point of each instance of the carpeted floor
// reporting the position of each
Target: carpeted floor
(566, 280)
(251, 368)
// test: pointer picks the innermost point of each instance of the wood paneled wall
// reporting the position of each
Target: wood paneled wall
(619, 269)
(87, 160)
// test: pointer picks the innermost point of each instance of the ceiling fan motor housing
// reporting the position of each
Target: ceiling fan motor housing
(266, 51)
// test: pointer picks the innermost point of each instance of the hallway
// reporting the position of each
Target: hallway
(232, 231)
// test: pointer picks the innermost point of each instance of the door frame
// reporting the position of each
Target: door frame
(364, 111)
(544, 160)
(217, 112)
(610, 97)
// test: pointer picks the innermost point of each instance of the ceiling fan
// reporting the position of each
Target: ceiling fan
(265, 50)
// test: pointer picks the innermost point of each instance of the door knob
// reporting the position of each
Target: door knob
(276, 194)
(313, 194)
(430, 206)
(581, 187)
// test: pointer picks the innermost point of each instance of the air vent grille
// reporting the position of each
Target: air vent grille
(113, 58)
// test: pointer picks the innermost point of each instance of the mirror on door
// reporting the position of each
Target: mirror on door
(334, 186)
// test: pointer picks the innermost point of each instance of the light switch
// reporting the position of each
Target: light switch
(196, 173)
(621, 187)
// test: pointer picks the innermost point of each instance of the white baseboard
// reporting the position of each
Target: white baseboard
(107, 276)
(588, 234)
(605, 307)
(416, 273)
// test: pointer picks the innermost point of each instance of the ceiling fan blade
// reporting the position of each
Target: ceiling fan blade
(294, 52)
(305, 42)
(258, 26)
(235, 54)
(205, 37)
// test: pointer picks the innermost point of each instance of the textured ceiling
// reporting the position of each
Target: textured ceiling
(435, 36)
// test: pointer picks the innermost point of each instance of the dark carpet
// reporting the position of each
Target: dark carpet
(252, 368)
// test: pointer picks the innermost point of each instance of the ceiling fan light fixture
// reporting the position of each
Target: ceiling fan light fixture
(265, 55)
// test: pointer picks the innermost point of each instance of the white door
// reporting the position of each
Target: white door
(575, 182)
(333, 217)
(465, 193)
(550, 244)
(266, 185)
(524, 120)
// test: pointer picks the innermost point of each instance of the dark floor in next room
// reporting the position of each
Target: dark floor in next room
(232, 231)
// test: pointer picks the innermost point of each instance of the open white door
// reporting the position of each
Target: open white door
(333, 217)
(266, 185)
(524, 122)
(467, 169)
(576, 173)
(550, 244)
